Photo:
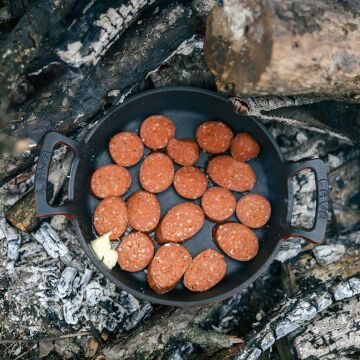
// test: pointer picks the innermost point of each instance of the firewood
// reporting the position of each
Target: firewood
(280, 109)
(11, 11)
(334, 333)
(24, 40)
(298, 312)
(171, 323)
(22, 215)
(289, 316)
(285, 48)
(95, 32)
(71, 100)
(342, 192)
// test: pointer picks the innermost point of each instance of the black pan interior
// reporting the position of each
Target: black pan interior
(187, 108)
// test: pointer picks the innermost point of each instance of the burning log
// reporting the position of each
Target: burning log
(285, 48)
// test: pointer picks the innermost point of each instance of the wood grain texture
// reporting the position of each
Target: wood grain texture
(268, 47)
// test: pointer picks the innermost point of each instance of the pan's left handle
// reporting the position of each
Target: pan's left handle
(317, 233)
(43, 208)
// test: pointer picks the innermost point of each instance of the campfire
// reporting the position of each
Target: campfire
(65, 65)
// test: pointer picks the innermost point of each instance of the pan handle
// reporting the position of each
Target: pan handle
(317, 233)
(43, 208)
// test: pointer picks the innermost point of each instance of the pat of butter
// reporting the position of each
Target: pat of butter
(104, 252)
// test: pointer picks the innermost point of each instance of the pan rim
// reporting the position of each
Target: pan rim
(106, 272)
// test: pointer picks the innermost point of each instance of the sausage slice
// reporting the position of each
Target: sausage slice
(167, 267)
(253, 210)
(111, 215)
(236, 240)
(156, 131)
(126, 148)
(206, 270)
(143, 210)
(190, 182)
(180, 223)
(156, 172)
(231, 174)
(135, 252)
(183, 152)
(110, 180)
(244, 147)
(214, 137)
(218, 203)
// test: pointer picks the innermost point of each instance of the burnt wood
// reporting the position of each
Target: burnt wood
(75, 97)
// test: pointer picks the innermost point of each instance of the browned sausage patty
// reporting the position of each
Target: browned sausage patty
(167, 267)
(110, 180)
(180, 223)
(214, 137)
(183, 152)
(218, 203)
(111, 215)
(253, 210)
(244, 147)
(135, 252)
(156, 131)
(156, 172)
(143, 210)
(190, 182)
(236, 240)
(231, 174)
(206, 270)
(126, 148)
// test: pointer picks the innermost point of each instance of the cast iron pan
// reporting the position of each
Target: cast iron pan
(187, 107)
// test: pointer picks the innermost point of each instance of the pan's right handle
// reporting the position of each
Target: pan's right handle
(317, 233)
(43, 208)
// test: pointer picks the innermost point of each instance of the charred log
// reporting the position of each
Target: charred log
(307, 112)
(75, 98)
(11, 11)
(180, 324)
(22, 214)
(23, 43)
(94, 33)
(334, 334)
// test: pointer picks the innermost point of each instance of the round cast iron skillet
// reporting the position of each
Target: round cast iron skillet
(187, 107)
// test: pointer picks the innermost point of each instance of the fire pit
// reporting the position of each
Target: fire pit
(65, 64)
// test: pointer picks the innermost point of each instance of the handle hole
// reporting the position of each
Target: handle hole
(304, 196)
(61, 159)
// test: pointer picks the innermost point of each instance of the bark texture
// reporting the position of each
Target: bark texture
(310, 113)
(180, 324)
(333, 335)
(74, 97)
(286, 48)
